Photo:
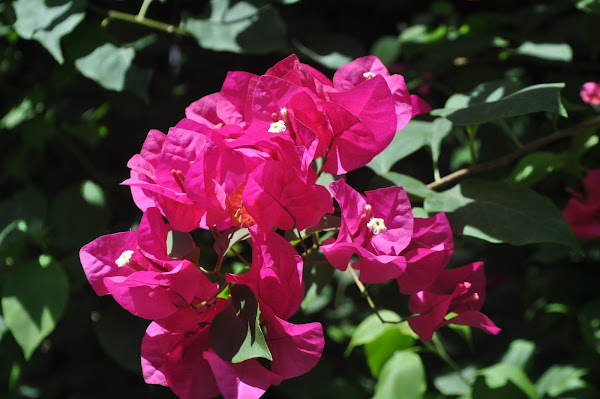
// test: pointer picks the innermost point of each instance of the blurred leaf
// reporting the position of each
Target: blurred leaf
(330, 50)
(36, 20)
(408, 140)
(74, 220)
(33, 301)
(592, 6)
(3, 328)
(112, 68)
(542, 97)
(20, 113)
(589, 323)
(534, 167)
(93, 193)
(316, 299)
(454, 384)
(386, 48)
(410, 184)
(239, 28)
(503, 381)
(371, 328)
(379, 350)
(419, 34)
(499, 212)
(546, 51)
(119, 333)
(519, 353)
(560, 379)
(402, 377)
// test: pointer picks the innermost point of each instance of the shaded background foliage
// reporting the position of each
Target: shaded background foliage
(84, 81)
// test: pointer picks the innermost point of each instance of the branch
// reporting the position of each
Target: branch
(505, 160)
(139, 19)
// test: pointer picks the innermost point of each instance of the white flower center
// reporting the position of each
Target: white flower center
(124, 258)
(369, 75)
(377, 226)
(277, 127)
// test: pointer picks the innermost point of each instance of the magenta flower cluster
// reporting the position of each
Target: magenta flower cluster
(242, 165)
(582, 212)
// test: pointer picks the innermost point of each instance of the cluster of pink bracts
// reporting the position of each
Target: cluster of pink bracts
(244, 158)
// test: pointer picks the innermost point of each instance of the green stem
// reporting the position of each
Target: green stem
(122, 16)
(439, 350)
(363, 291)
(472, 132)
(143, 9)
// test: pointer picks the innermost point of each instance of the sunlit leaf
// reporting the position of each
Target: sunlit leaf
(519, 353)
(503, 381)
(48, 24)
(112, 68)
(558, 380)
(33, 301)
(239, 28)
(411, 185)
(394, 339)
(372, 327)
(402, 377)
(534, 167)
(408, 140)
(499, 212)
(546, 51)
(542, 97)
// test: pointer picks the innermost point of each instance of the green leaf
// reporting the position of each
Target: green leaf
(254, 346)
(439, 130)
(454, 383)
(34, 299)
(591, 6)
(519, 353)
(402, 377)
(74, 220)
(546, 51)
(238, 28)
(589, 323)
(331, 50)
(386, 48)
(48, 25)
(560, 379)
(3, 328)
(235, 334)
(534, 167)
(179, 244)
(119, 335)
(542, 97)
(503, 381)
(93, 193)
(410, 184)
(408, 140)
(499, 212)
(371, 328)
(111, 67)
(379, 350)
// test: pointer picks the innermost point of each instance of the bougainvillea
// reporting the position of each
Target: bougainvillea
(245, 165)
(583, 210)
(590, 93)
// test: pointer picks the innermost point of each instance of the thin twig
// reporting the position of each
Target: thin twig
(122, 16)
(505, 160)
(365, 294)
